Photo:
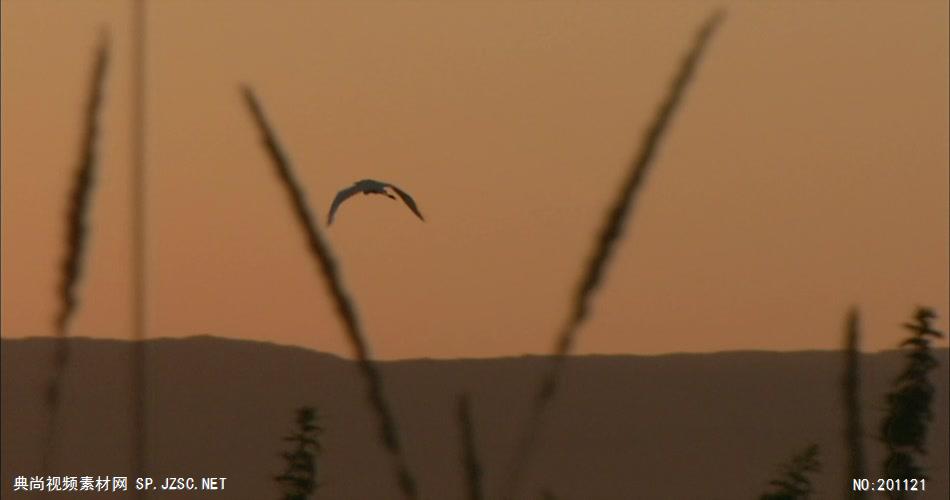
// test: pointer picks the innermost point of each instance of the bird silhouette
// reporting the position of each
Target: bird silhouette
(369, 186)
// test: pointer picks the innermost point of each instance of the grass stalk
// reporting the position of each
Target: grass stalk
(345, 307)
(604, 245)
(852, 403)
(473, 469)
(138, 388)
(72, 267)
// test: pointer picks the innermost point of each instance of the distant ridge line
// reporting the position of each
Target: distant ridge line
(215, 338)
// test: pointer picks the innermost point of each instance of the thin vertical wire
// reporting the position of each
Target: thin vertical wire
(138, 387)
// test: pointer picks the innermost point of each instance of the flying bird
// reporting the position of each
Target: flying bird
(369, 186)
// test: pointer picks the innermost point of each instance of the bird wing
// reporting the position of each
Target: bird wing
(408, 200)
(340, 198)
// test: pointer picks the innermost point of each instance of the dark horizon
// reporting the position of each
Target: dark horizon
(199, 336)
(739, 416)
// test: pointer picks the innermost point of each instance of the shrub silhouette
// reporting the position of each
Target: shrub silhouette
(794, 483)
(904, 429)
(299, 480)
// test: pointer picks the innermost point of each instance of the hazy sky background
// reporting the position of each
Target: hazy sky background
(807, 171)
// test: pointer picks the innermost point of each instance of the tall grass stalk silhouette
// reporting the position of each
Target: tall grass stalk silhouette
(75, 244)
(473, 469)
(851, 389)
(345, 308)
(603, 247)
(138, 387)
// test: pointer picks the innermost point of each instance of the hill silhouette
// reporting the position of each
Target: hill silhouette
(680, 426)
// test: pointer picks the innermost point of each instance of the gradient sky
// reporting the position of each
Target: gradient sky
(806, 172)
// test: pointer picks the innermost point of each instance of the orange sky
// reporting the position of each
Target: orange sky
(807, 171)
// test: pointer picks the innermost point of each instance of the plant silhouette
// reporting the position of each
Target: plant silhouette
(594, 269)
(469, 456)
(794, 483)
(71, 270)
(851, 389)
(345, 306)
(904, 429)
(299, 480)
